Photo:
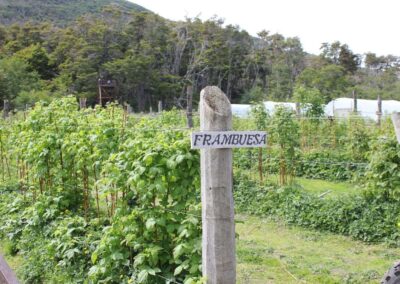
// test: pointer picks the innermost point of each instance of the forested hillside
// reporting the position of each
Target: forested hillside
(152, 59)
(60, 12)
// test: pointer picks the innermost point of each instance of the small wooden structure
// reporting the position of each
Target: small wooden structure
(107, 91)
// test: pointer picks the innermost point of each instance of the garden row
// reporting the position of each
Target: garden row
(96, 196)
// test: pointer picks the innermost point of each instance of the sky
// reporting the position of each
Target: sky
(364, 25)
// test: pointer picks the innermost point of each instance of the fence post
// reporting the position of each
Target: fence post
(6, 108)
(159, 106)
(355, 107)
(396, 123)
(189, 107)
(82, 103)
(219, 257)
(379, 112)
(7, 276)
(298, 110)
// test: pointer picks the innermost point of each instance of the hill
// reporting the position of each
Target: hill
(59, 12)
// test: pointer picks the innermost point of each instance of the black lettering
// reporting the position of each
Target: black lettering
(226, 139)
(250, 139)
(197, 137)
(206, 139)
(216, 140)
(242, 139)
(257, 137)
(235, 138)
(264, 139)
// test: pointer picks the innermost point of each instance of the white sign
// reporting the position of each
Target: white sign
(228, 139)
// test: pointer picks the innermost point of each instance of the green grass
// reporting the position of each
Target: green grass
(315, 186)
(330, 189)
(271, 252)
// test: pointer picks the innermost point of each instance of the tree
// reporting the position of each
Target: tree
(340, 54)
(311, 101)
(15, 78)
(277, 63)
(329, 80)
(38, 60)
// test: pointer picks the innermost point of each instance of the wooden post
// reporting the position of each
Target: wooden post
(128, 108)
(355, 107)
(396, 123)
(298, 110)
(82, 103)
(379, 112)
(189, 107)
(219, 262)
(6, 108)
(159, 106)
(7, 276)
(100, 94)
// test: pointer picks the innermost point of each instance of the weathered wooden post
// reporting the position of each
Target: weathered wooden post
(7, 276)
(379, 111)
(216, 143)
(219, 259)
(396, 123)
(128, 108)
(82, 103)
(6, 108)
(355, 107)
(298, 110)
(189, 107)
(159, 106)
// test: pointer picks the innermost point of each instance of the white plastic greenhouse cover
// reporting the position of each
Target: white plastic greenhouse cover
(365, 108)
(242, 110)
(337, 107)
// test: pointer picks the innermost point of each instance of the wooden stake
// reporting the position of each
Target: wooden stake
(159, 106)
(219, 262)
(379, 112)
(189, 109)
(260, 166)
(6, 274)
(6, 108)
(82, 103)
(298, 110)
(355, 107)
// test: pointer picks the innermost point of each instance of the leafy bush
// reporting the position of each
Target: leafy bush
(383, 171)
(101, 197)
(328, 165)
(369, 220)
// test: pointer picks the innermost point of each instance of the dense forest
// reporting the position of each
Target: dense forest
(153, 59)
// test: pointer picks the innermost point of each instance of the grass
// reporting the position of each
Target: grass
(315, 186)
(331, 189)
(271, 252)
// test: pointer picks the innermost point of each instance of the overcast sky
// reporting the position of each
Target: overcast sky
(365, 25)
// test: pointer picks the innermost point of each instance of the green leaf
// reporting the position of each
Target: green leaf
(178, 270)
(150, 223)
(142, 276)
(178, 251)
(94, 257)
